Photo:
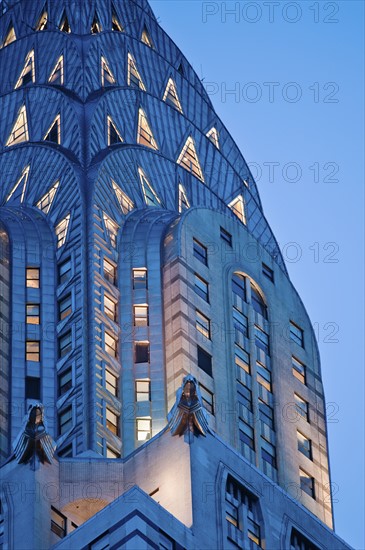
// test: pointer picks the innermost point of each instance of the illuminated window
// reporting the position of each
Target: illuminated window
(64, 381)
(201, 287)
(238, 291)
(143, 390)
(116, 26)
(125, 202)
(20, 184)
(110, 344)
(263, 376)
(10, 36)
(53, 133)
(242, 361)
(213, 136)
(33, 314)
(141, 352)
(183, 199)
(225, 236)
(65, 420)
(114, 135)
(112, 421)
(110, 271)
(45, 203)
(171, 97)
(107, 77)
(33, 277)
(112, 229)
(238, 208)
(33, 350)
(61, 230)
(110, 453)
(64, 344)
(28, 73)
(150, 196)
(302, 407)
(144, 133)
(242, 513)
(304, 445)
(188, 159)
(307, 483)
(202, 324)
(200, 252)
(299, 370)
(64, 25)
(42, 21)
(268, 272)
(64, 271)
(32, 387)
(19, 133)
(56, 76)
(139, 278)
(134, 78)
(207, 398)
(96, 25)
(204, 361)
(296, 334)
(258, 303)
(111, 382)
(262, 340)
(144, 428)
(64, 307)
(246, 435)
(58, 523)
(145, 38)
(110, 308)
(140, 316)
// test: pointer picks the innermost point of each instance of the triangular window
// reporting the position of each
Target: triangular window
(19, 132)
(214, 136)
(28, 73)
(56, 76)
(113, 133)
(10, 36)
(96, 25)
(184, 203)
(42, 21)
(61, 230)
(134, 78)
(64, 24)
(53, 133)
(149, 194)
(145, 38)
(144, 134)
(125, 202)
(20, 184)
(116, 26)
(238, 207)
(112, 229)
(46, 201)
(188, 159)
(107, 77)
(181, 69)
(171, 97)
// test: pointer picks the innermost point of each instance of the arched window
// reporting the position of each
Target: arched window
(258, 303)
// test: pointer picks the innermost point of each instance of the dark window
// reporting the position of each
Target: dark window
(240, 323)
(302, 407)
(64, 344)
(33, 277)
(300, 542)
(65, 420)
(142, 352)
(307, 483)
(238, 291)
(258, 303)
(207, 398)
(33, 350)
(299, 370)
(246, 434)
(32, 387)
(266, 414)
(64, 272)
(200, 252)
(204, 361)
(268, 272)
(64, 381)
(244, 396)
(139, 278)
(66, 452)
(304, 445)
(225, 236)
(110, 271)
(201, 288)
(58, 523)
(262, 340)
(269, 457)
(296, 334)
(64, 307)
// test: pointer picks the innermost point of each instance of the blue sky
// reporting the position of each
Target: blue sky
(298, 120)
